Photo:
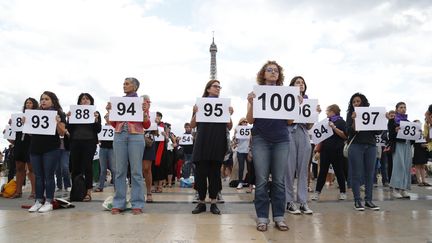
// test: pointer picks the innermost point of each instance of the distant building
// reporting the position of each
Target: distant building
(213, 69)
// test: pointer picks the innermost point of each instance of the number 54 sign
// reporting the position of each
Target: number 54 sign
(213, 110)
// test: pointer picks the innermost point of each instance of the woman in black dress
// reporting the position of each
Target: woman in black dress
(209, 151)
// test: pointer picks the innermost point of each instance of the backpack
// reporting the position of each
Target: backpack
(78, 191)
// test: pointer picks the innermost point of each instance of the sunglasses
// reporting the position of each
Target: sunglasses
(216, 86)
(270, 70)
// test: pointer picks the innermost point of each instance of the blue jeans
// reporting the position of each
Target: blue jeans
(128, 148)
(106, 161)
(44, 166)
(269, 158)
(241, 157)
(62, 171)
(362, 159)
(187, 166)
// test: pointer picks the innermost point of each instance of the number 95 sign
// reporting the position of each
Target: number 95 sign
(213, 110)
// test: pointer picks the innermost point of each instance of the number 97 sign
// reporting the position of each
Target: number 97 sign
(370, 119)
(213, 110)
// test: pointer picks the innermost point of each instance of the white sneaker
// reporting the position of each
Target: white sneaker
(342, 196)
(404, 194)
(315, 196)
(35, 207)
(46, 207)
(240, 185)
(396, 194)
(304, 208)
(219, 198)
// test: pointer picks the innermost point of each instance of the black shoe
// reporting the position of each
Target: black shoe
(358, 206)
(214, 209)
(372, 206)
(201, 207)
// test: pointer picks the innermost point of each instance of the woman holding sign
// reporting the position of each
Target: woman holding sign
(45, 153)
(402, 155)
(270, 151)
(298, 159)
(83, 140)
(22, 154)
(209, 152)
(129, 149)
(361, 154)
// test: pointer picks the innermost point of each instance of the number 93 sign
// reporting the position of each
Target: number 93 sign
(41, 122)
(213, 110)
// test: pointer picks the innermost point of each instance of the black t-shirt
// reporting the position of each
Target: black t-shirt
(335, 142)
(45, 143)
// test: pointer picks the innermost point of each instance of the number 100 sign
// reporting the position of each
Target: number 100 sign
(126, 109)
(213, 110)
(276, 102)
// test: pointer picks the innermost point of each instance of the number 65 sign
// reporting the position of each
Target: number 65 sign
(213, 110)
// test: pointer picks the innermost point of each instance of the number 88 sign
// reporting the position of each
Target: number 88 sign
(82, 114)
(213, 110)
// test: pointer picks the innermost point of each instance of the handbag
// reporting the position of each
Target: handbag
(148, 141)
(346, 147)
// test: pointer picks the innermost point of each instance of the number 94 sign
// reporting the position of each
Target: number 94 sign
(213, 110)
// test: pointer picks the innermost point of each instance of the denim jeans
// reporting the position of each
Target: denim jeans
(128, 148)
(188, 166)
(62, 171)
(44, 166)
(241, 157)
(106, 161)
(269, 158)
(362, 159)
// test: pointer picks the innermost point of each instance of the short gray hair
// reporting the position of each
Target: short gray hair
(134, 81)
(145, 97)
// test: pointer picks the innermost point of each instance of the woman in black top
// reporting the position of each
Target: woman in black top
(22, 155)
(45, 155)
(361, 155)
(209, 151)
(83, 141)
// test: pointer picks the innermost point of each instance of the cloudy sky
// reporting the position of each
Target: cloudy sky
(379, 48)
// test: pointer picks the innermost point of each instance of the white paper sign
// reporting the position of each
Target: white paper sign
(96, 155)
(308, 111)
(161, 137)
(126, 109)
(153, 124)
(409, 130)
(9, 133)
(321, 131)
(243, 132)
(186, 139)
(213, 110)
(380, 142)
(17, 122)
(82, 114)
(41, 122)
(370, 118)
(106, 133)
(276, 102)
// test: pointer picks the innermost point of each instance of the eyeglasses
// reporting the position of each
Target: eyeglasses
(216, 86)
(270, 70)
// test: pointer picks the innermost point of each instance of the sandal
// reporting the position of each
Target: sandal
(158, 190)
(426, 184)
(261, 227)
(281, 225)
(137, 211)
(16, 195)
(149, 198)
(115, 211)
(98, 190)
(87, 198)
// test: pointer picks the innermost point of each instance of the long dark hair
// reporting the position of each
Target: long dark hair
(364, 101)
(293, 82)
(86, 95)
(208, 85)
(34, 102)
(54, 99)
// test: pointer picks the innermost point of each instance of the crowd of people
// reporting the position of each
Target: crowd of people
(275, 159)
